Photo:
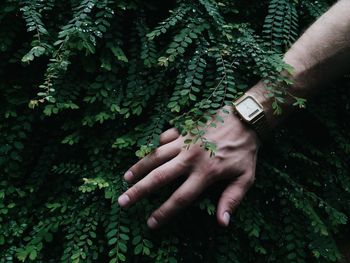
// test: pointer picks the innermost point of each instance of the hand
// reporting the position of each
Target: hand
(235, 159)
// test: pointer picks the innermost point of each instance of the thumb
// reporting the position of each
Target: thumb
(231, 197)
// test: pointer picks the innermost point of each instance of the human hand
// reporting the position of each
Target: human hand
(235, 160)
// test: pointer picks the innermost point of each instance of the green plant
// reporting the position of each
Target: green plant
(88, 86)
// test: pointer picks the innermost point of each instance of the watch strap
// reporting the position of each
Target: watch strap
(261, 127)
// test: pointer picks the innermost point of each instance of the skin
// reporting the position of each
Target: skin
(315, 64)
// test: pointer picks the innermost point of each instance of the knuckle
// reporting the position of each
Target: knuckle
(251, 181)
(213, 169)
(154, 155)
(135, 173)
(192, 154)
(248, 181)
(158, 176)
(135, 168)
(135, 192)
(187, 160)
(162, 138)
(181, 200)
(175, 131)
(232, 202)
(160, 214)
(171, 133)
(181, 162)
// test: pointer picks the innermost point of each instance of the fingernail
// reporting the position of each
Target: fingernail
(128, 175)
(226, 218)
(123, 200)
(152, 222)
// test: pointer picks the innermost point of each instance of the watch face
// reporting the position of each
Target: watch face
(248, 108)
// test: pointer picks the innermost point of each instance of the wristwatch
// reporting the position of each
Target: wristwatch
(252, 112)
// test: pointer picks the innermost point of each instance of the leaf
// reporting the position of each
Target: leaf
(138, 249)
(112, 241)
(21, 255)
(124, 237)
(121, 257)
(33, 255)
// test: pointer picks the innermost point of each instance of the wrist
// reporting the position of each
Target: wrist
(235, 121)
(261, 94)
(249, 110)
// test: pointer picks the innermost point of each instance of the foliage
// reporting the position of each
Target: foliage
(87, 86)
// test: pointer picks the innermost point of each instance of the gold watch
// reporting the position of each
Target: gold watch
(252, 112)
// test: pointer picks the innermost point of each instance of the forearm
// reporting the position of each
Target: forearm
(320, 55)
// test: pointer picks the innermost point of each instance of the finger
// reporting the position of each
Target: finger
(168, 136)
(181, 198)
(232, 197)
(153, 181)
(156, 158)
